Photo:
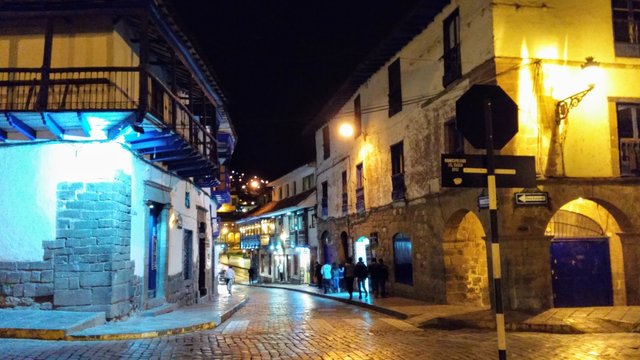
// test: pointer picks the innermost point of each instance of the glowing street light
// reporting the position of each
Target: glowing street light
(345, 130)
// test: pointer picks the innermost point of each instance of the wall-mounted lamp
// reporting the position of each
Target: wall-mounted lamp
(588, 70)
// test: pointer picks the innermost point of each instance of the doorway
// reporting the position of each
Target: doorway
(581, 272)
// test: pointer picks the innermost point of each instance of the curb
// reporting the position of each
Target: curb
(153, 334)
(380, 309)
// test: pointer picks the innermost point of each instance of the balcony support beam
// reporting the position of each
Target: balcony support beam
(52, 125)
(3, 135)
(23, 128)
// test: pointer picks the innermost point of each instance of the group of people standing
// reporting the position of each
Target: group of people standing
(334, 278)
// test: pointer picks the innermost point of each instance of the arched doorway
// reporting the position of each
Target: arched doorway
(465, 260)
(586, 256)
(344, 241)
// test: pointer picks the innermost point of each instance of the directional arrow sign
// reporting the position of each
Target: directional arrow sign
(531, 198)
(471, 171)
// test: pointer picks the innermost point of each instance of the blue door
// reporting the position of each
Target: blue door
(154, 224)
(581, 272)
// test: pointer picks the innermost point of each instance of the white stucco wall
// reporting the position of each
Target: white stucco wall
(32, 171)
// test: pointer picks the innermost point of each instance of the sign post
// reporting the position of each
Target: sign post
(487, 100)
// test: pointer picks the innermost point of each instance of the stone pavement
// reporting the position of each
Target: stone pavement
(59, 325)
(611, 319)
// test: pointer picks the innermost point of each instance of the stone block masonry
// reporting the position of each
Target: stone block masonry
(91, 256)
(26, 284)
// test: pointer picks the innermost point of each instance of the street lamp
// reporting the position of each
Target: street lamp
(589, 71)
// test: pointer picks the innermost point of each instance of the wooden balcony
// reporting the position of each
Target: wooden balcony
(397, 187)
(360, 200)
(107, 102)
(629, 157)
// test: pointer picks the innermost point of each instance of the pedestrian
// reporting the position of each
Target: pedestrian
(383, 276)
(318, 275)
(349, 274)
(373, 277)
(341, 277)
(280, 272)
(335, 278)
(325, 271)
(252, 273)
(229, 278)
(361, 275)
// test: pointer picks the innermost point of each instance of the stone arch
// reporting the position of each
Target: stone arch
(589, 220)
(465, 260)
(344, 246)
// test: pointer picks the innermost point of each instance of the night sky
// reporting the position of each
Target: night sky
(279, 62)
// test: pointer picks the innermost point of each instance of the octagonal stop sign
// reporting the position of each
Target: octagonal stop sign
(470, 115)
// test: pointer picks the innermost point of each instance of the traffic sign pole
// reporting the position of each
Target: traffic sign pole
(495, 240)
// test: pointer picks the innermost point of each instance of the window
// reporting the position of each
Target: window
(395, 88)
(280, 193)
(454, 141)
(402, 259)
(629, 138)
(326, 145)
(452, 62)
(187, 254)
(307, 182)
(359, 188)
(345, 195)
(287, 190)
(324, 201)
(626, 15)
(397, 171)
(357, 116)
(295, 188)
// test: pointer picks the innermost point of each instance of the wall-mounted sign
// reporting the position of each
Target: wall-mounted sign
(531, 198)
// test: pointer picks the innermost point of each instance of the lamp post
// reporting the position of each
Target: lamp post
(563, 106)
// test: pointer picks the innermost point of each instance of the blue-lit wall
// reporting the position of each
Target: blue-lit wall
(30, 174)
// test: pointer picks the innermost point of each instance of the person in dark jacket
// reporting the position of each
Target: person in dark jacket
(373, 277)
(318, 274)
(361, 275)
(349, 274)
(383, 276)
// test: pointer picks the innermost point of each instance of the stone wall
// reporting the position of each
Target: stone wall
(27, 284)
(93, 270)
(181, 291)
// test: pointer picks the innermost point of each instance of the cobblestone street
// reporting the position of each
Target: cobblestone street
(280, 324)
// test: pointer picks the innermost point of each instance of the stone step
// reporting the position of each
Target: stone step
(159, 310)
(46, 324)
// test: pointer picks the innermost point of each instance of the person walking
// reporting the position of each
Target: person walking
(335, 278)
(373, 277)
(349, 274)
(361, 275)
(252, 274)
(383, 276)
(325, 271)
(318, 274)
(229, 278)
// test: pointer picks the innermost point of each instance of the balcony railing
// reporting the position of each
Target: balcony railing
(360, 200)
(630, 157)
(324, 204)
(345, 203)
(105, 88)
(397, 186)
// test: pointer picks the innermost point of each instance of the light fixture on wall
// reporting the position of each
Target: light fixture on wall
(563, 106)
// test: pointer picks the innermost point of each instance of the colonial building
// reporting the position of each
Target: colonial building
(380, 190)
(281, 234)
(112, 134)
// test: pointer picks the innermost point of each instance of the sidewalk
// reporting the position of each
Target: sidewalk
(558, 320)
(69, 325)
